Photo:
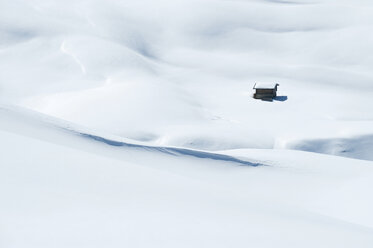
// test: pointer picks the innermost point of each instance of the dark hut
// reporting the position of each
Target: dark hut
(265, 90)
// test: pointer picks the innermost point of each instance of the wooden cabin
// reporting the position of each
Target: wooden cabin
(265, 90)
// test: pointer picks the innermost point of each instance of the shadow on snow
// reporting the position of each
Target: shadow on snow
(169, 150)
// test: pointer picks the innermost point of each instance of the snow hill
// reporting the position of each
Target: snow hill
(131, 123)
(63, 185)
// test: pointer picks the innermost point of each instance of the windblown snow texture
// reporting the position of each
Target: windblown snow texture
(132, 123)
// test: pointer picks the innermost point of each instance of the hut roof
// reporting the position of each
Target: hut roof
(265, 86)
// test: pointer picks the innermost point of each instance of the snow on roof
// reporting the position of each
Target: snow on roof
(265, 85)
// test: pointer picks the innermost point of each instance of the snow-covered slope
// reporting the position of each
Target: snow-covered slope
(131, 123)
(181, 72)
(60, 188)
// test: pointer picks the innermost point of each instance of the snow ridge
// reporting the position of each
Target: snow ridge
(170, 150)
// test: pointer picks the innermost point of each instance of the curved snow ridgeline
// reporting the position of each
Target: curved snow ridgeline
(61, 183)
(39, 121)
(132, 123)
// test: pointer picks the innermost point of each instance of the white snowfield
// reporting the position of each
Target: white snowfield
(131, 123)
(64, 186)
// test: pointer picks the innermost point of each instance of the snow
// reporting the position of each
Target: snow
(180, 73)
(67, 189)
(131, 123)
(265, 85)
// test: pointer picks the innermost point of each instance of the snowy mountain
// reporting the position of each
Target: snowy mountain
(131, 123)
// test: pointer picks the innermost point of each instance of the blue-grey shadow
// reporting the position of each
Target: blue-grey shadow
(281, 98)
(169, 150)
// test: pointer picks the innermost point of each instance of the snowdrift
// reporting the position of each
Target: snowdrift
(180, 73)
(135, 125)
(61, 187)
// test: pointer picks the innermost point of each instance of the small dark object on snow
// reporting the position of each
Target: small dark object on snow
(265, 90)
